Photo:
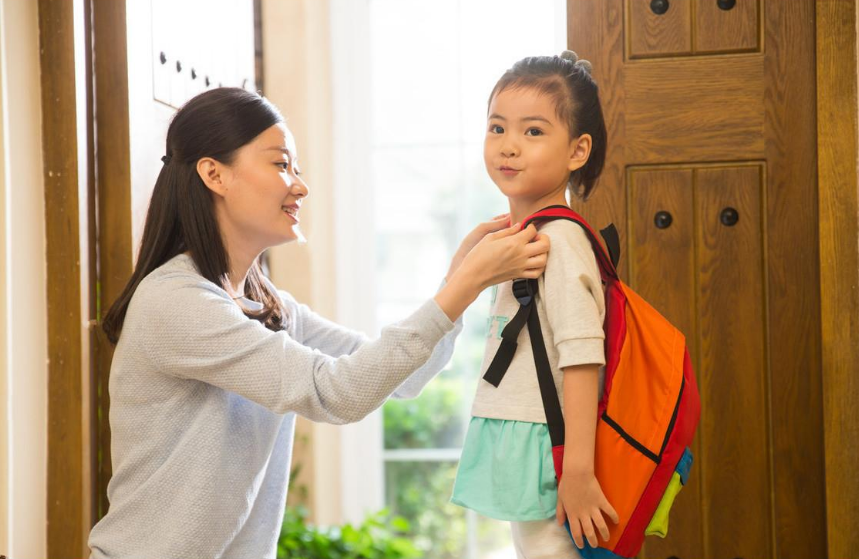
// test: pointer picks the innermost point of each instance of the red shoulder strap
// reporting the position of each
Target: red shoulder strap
(607, 268)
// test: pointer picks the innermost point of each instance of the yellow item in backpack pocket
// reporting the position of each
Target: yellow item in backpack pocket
(659, 524)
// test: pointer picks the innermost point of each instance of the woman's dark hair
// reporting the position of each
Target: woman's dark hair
(181, 214)
(567, 80)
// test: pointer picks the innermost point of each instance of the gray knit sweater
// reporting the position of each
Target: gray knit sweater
(203, 405)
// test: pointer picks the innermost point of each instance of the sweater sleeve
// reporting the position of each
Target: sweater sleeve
(191, 329)
(317, 332)
(573, 296)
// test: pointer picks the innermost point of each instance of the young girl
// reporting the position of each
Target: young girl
(545, 135)
(213, 362)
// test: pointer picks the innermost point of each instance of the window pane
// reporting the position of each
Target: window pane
(439, 417)
(415, 71)
(493, 539)
(420, 491)
(431, 421)
(493, 35)
(414, 219)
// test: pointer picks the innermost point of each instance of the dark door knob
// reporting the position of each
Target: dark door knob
(729, 217)
(659, 7)
(663, 220)
(726, 4)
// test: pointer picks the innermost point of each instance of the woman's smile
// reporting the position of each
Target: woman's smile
(292, 211)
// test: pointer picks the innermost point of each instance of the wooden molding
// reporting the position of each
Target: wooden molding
(839, 265)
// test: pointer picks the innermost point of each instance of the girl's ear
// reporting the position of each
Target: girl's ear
(212, 173)
(580, 150)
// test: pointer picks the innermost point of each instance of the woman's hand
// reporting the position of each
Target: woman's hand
(582, 502)
(497, 223)
(504, 255)
(497, 257)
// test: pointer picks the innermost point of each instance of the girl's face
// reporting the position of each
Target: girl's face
(258, 197)
(528, 151)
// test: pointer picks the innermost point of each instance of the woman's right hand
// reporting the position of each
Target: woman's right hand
(505, 255)
(498, 257)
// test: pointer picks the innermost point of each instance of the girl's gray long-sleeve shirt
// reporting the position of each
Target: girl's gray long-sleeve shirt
(203, 405)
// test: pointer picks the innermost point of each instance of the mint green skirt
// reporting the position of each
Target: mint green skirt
(506, 470)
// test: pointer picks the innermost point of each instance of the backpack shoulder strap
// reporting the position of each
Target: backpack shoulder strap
(607, 260)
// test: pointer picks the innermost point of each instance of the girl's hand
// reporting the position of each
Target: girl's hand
(497, 223)
(581, 500)
(497, 257)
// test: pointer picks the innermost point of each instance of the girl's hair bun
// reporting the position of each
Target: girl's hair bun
(584, 65)
(581, 64)
(570, 55)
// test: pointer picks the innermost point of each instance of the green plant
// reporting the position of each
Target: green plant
(380, 536)
(431, 421)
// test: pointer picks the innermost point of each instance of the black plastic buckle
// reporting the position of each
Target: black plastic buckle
(523, 291)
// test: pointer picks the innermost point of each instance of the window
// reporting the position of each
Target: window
(428, 72)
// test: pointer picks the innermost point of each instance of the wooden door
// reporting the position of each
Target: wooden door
(711, 180)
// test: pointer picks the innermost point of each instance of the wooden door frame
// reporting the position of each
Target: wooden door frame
(68, 490)
(78, 435)
(839, 264)
(114, 206)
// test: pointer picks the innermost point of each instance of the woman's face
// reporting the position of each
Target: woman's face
(259, 196)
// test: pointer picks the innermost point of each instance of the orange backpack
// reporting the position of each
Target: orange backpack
(647, 413)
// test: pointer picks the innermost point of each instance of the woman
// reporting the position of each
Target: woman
(213, 362)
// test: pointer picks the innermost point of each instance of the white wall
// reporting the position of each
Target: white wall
(23, 375)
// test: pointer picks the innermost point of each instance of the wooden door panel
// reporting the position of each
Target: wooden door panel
(653, 34)
(733, 30)
(661, 258)
(662, 270)
(734, 426)
(676, 114)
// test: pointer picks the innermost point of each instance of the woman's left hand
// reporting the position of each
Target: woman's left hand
(497, 223)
